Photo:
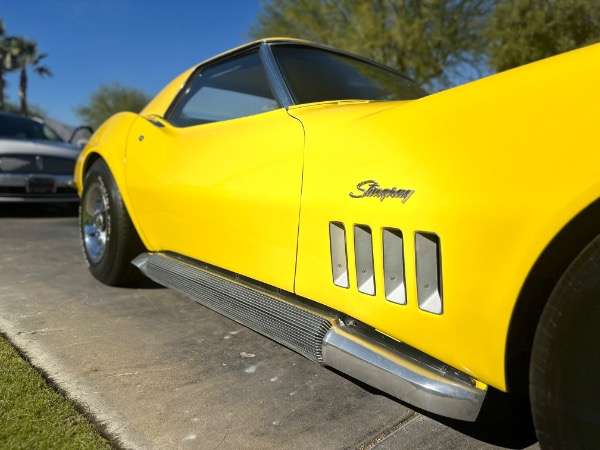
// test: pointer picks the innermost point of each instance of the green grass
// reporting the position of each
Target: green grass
(35, 416)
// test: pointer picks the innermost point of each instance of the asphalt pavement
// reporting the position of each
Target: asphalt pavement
(157, 370)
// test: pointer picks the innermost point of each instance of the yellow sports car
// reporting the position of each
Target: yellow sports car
(430, 246)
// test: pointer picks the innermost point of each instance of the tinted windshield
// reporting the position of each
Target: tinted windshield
(316, 75)
(14, 127)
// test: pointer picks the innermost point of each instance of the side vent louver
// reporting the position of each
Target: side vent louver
(427, 259)
(393, 266)
(339, 258)
(429, 274)
(363, 252)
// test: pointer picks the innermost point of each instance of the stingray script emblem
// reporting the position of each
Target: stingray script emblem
(371, 188)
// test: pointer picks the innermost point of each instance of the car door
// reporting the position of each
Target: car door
(219, 178)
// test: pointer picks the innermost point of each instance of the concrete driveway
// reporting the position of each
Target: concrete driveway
(158, 371)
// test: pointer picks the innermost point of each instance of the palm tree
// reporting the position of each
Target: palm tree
(28, 56)
(5, 60)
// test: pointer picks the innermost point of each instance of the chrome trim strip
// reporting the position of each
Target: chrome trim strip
(280, 89)
(316, 332)
(12, 179)
(141, 262)
(54, 199)
(154, 120)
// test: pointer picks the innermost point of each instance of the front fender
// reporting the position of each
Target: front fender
(109, 142)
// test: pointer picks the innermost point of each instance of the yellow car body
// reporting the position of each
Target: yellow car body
(495, 177)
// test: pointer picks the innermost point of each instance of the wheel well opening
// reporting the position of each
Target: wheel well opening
(542, 279)
(91, 159)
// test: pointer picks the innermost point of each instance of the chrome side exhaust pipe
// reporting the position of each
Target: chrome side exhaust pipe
(358, 351)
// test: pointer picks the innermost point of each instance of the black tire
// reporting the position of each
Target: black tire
(109, 238)
(565, 361)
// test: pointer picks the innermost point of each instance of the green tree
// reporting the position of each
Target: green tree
(27, 56)
(110, 99)
(523, 31)
(431, 41)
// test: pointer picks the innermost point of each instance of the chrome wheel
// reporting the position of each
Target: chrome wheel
(95, 221)
(109, 239)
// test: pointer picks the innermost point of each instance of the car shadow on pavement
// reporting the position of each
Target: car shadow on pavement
(37, 210)
(58, 211)
(504, 420)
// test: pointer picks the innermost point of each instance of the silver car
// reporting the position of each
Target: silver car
(36, 165)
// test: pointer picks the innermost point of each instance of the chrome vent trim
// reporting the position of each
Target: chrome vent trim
(363, 256)
(339, 255)
(393, 266)
(427, 254)
(429, 273)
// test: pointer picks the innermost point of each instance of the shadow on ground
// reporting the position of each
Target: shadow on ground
(37, 210)
(59, 210)
(505, 420)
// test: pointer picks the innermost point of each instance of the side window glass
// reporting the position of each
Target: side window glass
(235, 88)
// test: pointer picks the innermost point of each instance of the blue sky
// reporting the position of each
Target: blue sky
(139, 43)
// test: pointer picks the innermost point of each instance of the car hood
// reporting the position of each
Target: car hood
(27, 147)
